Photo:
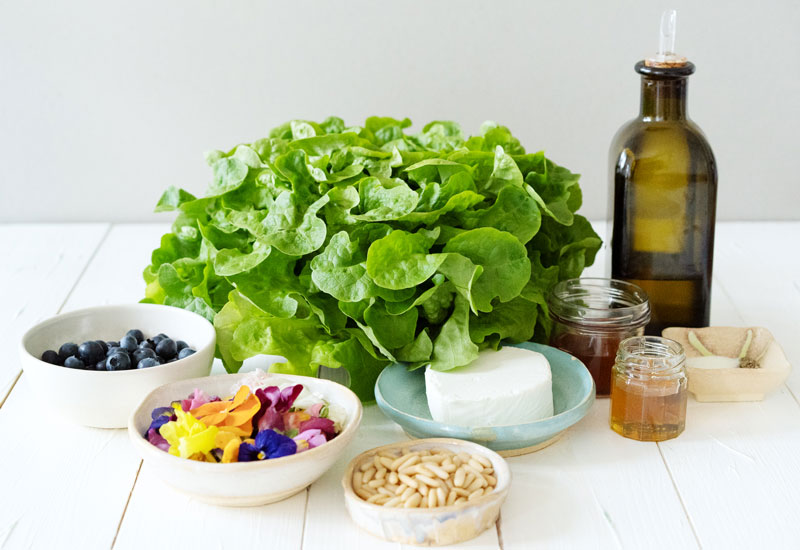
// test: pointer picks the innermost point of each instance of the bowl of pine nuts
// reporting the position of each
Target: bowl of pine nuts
(427, 492)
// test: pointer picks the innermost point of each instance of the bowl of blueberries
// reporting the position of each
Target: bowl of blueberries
(94, 366)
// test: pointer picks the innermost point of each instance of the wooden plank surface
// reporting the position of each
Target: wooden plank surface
(41, 264)
(728, 482)
(71, 483)
(737, 465)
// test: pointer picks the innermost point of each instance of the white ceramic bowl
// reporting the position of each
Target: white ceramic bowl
(429, 526)
(243, 483)
(106, 399)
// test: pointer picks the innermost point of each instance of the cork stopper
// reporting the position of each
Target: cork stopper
(666, 58)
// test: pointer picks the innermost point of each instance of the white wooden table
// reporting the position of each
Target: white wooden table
(731, 480)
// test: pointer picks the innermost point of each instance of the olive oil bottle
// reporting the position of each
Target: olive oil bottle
(664, 192)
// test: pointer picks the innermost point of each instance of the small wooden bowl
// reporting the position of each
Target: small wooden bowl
(734, 384)
(429, 526)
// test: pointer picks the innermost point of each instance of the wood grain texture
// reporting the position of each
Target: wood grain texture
(41, 264)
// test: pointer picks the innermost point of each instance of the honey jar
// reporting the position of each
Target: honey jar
(649, 389)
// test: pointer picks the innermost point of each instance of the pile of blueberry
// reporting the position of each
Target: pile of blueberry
(133, 351)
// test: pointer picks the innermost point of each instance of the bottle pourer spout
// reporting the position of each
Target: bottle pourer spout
(666, 56)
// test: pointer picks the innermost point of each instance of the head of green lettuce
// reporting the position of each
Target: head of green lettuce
(357, 246)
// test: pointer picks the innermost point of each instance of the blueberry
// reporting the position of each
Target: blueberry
(158, 337)
(128, 343)
(180, 344)
(147, 362)
(136, 333)
(115, 349)
(185, 352)
(73, 362)
(140, 354)
(112, 344)
(90, 352)
(147, 344)
(102, 345)
(101, 365)
(118, 361)
(166, 348)
(68, 350)
(51, 357)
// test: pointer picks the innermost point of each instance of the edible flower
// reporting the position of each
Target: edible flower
(235, 416)
(188, 437)
(274, 403)
(268, 444)
(309, 439)
(228, 443)
(161, 416)
(323, 424)
(196, 399)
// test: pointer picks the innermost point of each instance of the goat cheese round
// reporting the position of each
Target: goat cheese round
(500, 388)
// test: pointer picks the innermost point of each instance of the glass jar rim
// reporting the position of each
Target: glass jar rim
(652, 356)
(599, 303)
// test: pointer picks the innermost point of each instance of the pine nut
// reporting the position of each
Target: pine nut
(393, 479)
(423, 489)
(363, 494)
(483, 460)
(366, 466)
(386, 462)
(475, 495)
(460, 500)
(477, 484)
(373, 498)
(460, 476)
(451, 498)
(475, 464)
(438, 471)
(384, 491)
(460, 492)
(375, 483)
(411, 482)
(407, 494)
(381, 473)
(367, 476)
(491, 480)
(391, 503)
(471, 470)
(441, 495)
(432, 499)
(413, 501)
(426, 480)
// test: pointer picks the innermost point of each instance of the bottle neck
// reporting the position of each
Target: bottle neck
(663, 99)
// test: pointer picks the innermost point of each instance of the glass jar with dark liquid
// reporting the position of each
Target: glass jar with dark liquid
(664, 192)
(591, 316)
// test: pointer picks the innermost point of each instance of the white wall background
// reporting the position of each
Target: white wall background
(103, 104)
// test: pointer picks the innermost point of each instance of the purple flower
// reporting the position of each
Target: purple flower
(157, 439)
(268, 444)
(274, 402)
(309, 439)
(161, 416)
(318, 423)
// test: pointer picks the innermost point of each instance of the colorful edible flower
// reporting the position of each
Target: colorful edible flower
(235, 416)
(205, 428)
(196, 399)
(268, 444)
(274, 403)
(188, 437)
(309, 439)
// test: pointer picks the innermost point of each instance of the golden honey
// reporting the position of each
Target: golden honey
(649, 389)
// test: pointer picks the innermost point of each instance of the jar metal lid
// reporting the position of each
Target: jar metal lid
(599, 303)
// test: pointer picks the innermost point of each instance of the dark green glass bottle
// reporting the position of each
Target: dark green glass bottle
(664, 192)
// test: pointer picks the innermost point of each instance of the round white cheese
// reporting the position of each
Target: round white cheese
(500, 388)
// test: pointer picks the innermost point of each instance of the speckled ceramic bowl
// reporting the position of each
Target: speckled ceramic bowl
(400, 394)
(429, 526)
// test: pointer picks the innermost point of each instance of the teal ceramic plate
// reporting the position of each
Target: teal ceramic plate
(401, 396)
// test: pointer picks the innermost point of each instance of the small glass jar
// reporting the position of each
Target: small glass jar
(648, 389)
(591, 316)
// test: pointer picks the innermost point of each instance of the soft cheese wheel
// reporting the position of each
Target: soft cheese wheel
(500, 388)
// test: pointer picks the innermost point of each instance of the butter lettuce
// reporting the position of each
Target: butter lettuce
(351, 247)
